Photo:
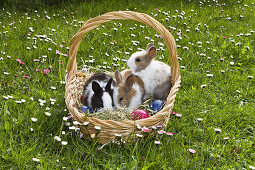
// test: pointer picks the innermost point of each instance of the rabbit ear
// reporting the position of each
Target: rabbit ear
(108, 85)
(149, 46)
(129, 82)
(96, 88)
(118, 77)
(151, 53)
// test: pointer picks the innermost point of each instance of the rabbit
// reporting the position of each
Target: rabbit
(156, 75)
(98, 92)
(129, 90)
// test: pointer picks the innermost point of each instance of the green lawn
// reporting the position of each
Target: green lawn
(216, 53)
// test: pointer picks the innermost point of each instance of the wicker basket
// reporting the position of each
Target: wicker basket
(75, 81)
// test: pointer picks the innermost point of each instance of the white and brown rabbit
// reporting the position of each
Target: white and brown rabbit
(98, 92)
(156, 75)
(129, 91)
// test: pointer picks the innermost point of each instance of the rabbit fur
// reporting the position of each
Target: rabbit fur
(129, 91)
(156, 75)
(98, 92)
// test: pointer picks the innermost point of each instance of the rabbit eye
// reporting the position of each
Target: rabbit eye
(120, 99)
(137, 59)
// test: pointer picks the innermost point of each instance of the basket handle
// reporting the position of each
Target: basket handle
(122, 15)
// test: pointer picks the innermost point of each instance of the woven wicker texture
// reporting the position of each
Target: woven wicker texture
(75, 81)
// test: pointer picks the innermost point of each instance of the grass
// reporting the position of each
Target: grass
(226, 102)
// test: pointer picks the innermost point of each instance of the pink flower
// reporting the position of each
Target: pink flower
(174, 112)
(159, 126)
(38, 69)
(25, 76)
(5, 44)
(114, 40)
(161, 132)
(57, 52)
(169, 133)
(192, 151)
(69, 117)
(36, 60)
(226, 138)
(46, 71)
(50, 66)
(63, 42)
(178, 115)
(145, 129)
(179, 34)
(169, 30)
(81, 135)
(224, 37)
(19, 60)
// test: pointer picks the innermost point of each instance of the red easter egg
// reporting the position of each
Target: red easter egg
(139, 114)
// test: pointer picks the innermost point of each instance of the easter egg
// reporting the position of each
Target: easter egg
(139, 114)
(86, 109)
(156, 105)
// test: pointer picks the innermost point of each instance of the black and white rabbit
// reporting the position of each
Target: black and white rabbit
(98, 92)
(156, 75)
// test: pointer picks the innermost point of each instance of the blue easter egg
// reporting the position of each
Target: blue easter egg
(86, 109)
(156, 105)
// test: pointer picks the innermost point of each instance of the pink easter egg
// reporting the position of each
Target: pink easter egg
(139, 114)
